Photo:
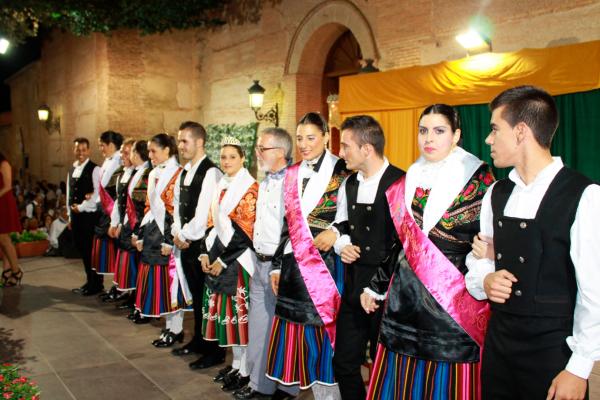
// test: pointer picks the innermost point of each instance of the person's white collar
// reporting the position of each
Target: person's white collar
(377, 175)
(548, 172)
(83, 164)
(188, 166)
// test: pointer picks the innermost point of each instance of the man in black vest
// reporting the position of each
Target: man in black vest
(367, 236)
(193, 196)
(542, 338)
(82, 196)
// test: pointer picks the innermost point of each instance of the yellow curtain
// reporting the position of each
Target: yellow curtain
(396, 98)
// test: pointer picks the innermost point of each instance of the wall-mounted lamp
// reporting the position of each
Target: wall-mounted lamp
(4, 45)
(256, 95)
(45, 115)
(474, 42)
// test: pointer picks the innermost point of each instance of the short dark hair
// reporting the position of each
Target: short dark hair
(141, 148)
(283, 139)
(316, 119)
(82, 140)
(366, 130)
(164, 140)
(197, 130)
(532, 106)
(109, 137)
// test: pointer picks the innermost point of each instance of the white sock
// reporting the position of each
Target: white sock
(243, 361)
(237, 357)
(175, 322)
(324, 392)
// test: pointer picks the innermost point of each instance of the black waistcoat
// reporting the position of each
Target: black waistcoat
(537, 251)
(79, 187)
(122, 195)
(188, 195)
(370, 225)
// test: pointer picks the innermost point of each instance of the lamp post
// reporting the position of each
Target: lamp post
(256, 95)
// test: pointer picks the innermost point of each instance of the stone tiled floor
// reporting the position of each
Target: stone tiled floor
(79, 348)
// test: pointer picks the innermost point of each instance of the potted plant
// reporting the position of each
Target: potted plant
(14, 386)
(30, 243)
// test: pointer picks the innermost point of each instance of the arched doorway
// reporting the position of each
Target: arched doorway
(329, 43)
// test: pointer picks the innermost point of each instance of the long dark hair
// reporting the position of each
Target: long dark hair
(164, 140)
(141, 148)
(109, 137)
(449, 113)
(2, 157)
(316, 119)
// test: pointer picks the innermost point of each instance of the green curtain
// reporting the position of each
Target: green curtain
(577, 139)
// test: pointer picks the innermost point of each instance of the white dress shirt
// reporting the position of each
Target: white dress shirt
(124, 178)
(585, 254)
(269, 214)
(367, 190)
(195, 229)
(87, 205)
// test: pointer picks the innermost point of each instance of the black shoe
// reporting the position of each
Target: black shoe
(190, 348)
(236, 382)
(281, 395)
(126, 305)
(168, 339)
(222, 373)
(207, 362)
(92, 291)
(80, 289)
(247, 393)
(139, 319)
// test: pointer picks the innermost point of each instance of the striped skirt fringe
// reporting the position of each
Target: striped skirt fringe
(103, 255)
(299, 354)
(225, 318)
(153, 295)
(397, 376)
(126, 270)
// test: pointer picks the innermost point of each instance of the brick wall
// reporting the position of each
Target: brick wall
(141, 85)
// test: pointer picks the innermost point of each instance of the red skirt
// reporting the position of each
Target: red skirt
(9, 215)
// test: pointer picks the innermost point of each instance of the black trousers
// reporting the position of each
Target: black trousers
(82, 225)
(195, 279)
(355, 329)
(522, 355)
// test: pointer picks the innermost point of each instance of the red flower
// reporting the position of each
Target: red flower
(419, 193)
(35, 397)
(469, 189)
(7, 365)
(7, 395)
(488, 179)
(1, 377)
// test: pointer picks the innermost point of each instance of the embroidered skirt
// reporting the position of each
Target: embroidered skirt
(397, 376)
(126, 270)
(299, 354)
(153, 296)
(225, 318)
(104, 255)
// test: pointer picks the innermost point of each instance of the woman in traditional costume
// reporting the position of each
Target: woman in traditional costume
(131, 194)
(161, 287)
(432, 329)
(307, 273)
(104, 248)
(228, 260)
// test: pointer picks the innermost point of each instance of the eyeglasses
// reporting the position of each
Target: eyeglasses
(262, 149)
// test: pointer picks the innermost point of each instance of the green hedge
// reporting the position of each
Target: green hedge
(246, 134)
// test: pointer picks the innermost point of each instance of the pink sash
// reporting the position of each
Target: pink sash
(441, 278)
(130, 210)
(319, 282)
(107, 202)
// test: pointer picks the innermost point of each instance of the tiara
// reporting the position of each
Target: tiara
(230, 141)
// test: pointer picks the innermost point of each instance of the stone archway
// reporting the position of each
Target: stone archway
(310, 45)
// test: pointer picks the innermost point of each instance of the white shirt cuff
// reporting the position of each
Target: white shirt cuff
(275, 271)
(374, 295)
(478, 270)
(340, 243)
(580, 366)
(221, 262)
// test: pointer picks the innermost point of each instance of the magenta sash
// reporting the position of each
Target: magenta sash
(107, 202)
(130, 210)
(319, 282)
(441, 278)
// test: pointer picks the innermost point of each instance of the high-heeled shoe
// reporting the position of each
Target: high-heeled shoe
(6, 276)
(17, 277)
